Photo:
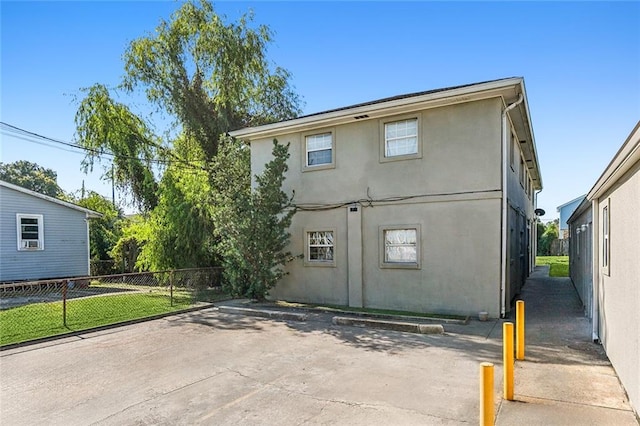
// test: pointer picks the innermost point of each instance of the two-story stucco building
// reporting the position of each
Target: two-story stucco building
(421, 202)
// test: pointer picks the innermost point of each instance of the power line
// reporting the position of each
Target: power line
(370, 202)
(29, 136)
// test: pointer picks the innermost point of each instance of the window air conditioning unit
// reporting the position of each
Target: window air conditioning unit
(31, 244)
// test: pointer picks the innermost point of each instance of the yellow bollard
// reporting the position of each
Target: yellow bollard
(507, 357)
(520, 329)
(487, 407)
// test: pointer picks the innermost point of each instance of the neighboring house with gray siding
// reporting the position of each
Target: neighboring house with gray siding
(421, 202)
(611, 220)
(40, 236)
(566, 210)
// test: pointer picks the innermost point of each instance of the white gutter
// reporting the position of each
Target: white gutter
(503, 262)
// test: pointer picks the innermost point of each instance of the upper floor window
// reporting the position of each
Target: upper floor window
(30, 229)
(319, 149)
(401, 138)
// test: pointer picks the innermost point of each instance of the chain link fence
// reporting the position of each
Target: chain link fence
(37, 309)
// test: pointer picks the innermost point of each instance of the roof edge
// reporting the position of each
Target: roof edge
(622, 161)
(569, 202)
(316, 119)
(89, 212)
(582, 207)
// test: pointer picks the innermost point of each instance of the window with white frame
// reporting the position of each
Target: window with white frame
(400, 246)
(319, 149)
(606, 249)
(320, 247)
(401, 138)
(30, 230)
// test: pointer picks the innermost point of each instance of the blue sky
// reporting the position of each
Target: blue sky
(580, 62)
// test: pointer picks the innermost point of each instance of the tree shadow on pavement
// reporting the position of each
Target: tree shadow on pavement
(214, 319)
(394, 342)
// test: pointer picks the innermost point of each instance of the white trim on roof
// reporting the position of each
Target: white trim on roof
(507, 89)
(625, 158)
(378, 109)
(569, 202)
(88, 212)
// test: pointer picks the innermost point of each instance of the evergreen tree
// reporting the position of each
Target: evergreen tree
(253, 224)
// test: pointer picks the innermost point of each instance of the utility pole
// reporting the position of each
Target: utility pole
(113, 188)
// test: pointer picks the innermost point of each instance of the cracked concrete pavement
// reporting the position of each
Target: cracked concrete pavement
(207, 367)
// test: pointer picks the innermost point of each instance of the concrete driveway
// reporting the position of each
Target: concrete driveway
(210, 368)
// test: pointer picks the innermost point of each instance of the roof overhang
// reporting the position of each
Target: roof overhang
(626, 157)
(88, 212)
(508, 90)
(582, 207)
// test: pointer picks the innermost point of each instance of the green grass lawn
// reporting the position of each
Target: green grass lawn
(558, 265)
(45, 319)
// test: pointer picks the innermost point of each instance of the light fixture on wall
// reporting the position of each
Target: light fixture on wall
(584, 227)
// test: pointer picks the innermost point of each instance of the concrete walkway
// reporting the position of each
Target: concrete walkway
(565, 379)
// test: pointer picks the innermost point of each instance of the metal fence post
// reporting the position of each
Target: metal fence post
(171, 286)
(65, 284)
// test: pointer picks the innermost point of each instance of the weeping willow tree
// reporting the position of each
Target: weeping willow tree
(205, 76)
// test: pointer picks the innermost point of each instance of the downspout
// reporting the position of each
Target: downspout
(503, 260)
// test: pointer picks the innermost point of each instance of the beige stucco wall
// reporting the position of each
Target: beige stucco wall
(459, 273)
(460, 152)
(619, 291)
(458, 208)
(320, 284)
